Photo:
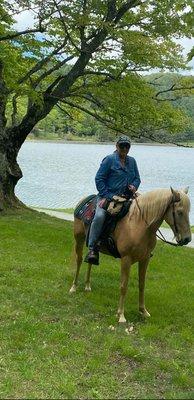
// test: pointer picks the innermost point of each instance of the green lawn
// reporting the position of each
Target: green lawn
(58, 346)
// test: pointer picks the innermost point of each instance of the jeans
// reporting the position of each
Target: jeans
(96, 226)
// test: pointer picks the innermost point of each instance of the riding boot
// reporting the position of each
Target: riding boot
(95, 231)
(92, 257)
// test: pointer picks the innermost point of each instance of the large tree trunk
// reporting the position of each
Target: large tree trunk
(10, 172)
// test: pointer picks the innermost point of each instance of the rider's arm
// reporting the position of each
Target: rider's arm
(101, 177)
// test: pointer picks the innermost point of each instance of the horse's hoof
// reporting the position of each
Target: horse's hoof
(122, 319)
(73, 289)
(144, 313)
(88, 288)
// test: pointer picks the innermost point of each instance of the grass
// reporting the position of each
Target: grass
(58, 346)
(188, 143)
(67, 138)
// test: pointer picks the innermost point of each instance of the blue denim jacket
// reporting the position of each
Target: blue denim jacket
(113, 178)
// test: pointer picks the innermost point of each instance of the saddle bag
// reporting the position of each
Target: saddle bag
(116, 205)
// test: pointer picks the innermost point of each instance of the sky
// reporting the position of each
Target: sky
(25, 20)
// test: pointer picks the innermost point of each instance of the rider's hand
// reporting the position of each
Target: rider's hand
(132, 188)
(102, 203)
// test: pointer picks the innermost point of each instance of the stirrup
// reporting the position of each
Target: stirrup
(92, 259)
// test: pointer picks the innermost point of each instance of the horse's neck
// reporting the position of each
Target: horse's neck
(151, 207)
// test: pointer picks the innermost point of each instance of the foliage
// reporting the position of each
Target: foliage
(90, 56)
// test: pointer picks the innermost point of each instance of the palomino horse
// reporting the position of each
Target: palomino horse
(135, 236)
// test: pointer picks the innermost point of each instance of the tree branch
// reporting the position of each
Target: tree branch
(65, 27)
(125, 7)
(81, 108)
(149, 135)
(11, 36)
(62, 109)
(82, 27)
(52, 86)
(89, 97)
(173, 89)
(41, 63)
(111, 11)
(51, 70)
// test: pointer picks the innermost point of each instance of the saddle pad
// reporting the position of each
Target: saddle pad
(86, 209)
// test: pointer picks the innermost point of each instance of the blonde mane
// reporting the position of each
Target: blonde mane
(153, 204)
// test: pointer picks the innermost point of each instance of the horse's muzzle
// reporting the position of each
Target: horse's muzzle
(184, 242)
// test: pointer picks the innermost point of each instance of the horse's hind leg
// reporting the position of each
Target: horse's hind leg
(79, 251)
(79, 235)
(142, 275)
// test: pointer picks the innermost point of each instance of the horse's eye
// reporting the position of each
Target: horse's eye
(180, 213)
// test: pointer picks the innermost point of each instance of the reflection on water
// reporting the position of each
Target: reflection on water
(57, 175)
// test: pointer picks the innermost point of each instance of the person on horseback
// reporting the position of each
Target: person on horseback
(118, 175)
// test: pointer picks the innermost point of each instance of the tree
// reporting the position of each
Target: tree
(88, 55)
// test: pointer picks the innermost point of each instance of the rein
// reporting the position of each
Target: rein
(161, 237)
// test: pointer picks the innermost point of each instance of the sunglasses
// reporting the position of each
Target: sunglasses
(124, 146)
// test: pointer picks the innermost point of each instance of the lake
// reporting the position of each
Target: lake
(57, 175)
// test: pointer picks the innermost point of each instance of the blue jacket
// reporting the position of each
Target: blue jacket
(113, 178)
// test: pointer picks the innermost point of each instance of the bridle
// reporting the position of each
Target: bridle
(161, 237)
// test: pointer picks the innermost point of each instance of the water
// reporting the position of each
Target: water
(57, 175)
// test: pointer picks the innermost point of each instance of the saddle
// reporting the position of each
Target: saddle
(86, 209)
(116, 209)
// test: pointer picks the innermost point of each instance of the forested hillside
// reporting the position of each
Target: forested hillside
(78, 125)
(167, 83)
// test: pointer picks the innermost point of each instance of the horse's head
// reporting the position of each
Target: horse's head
(177, 216)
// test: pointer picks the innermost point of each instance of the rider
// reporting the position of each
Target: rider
(118, 175)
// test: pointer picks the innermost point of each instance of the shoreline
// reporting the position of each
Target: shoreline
(63, 141)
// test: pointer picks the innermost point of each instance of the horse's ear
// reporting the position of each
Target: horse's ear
(185, 190)
(176, 195)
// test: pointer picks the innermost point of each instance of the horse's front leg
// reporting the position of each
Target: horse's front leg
(125, 268)
(88, 279)
(142, 275)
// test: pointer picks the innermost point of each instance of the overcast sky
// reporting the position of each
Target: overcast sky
(25, 20)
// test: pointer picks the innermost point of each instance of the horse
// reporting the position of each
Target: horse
(135, 237)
